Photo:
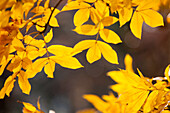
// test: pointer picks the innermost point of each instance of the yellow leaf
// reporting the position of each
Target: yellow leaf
(29, 106)
(109, 36)
(167, 72)
(67, 61)
(6, 3)
(152, 18)
(24, 83)
(36, 67)
(149, 105)
(108, 53)
(135, 103)
(102, 8)
(29, 25)
(94, 15)
(97, 102)
(124, 15)
(27, 7)
(15, 64)
(38, 9)
(109, 20)
(18, 45)
(4, 18)
(8, 86)
(128, 77)
(136, 24)
(83, 45)
(38, 103)
(75, 5)
(46, 4)
(32, 52)
(145, 4)
(49, 36)
(128, 63)
(17, 11)
(93, 54)
(81, 16)
(19, 35)
(54, 22)
(26, 62)
(4, 63)
(49, 68)
(86, 29)
(31, 41)
(60, 50)
(40, 25)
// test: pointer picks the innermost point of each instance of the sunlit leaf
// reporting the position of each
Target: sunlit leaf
(49, 36)
(23, 82)
(109, 36)
(86, 29)
(108, 53)
(81, 16)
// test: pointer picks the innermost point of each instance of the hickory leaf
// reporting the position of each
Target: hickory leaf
(109, 36)
(81, 16)
(8, 86)
(23, 82)
(49, 68)
(86, 29)
(49, 36)
(67, 62)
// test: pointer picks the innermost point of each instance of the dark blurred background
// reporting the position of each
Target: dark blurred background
(63, 94)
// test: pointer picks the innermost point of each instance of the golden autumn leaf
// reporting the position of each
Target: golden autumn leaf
(96, 49)
(102, 8)
(17, 11)
(49, 68)
(49, 36)
(83, 45)
(124, 15)
(109, 36)
(15, 64)
(81, 16)
(60, 50)
(135, 24)
(142, 14)
(53, 21)
(6, 3)
(8, 86)
(108, 53)
(26, 63)
(36, 67)
(130, 85)
(67, 62)
(149, 105)
(27, 7)
(4, 18)
(75, 5)
(31, 41)
(4, 63)
(29, 106)
(86, 29)
(18, 45)
(167, 72)
(93, 54)
(128, 63)
(109, 20)
(23, 82)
